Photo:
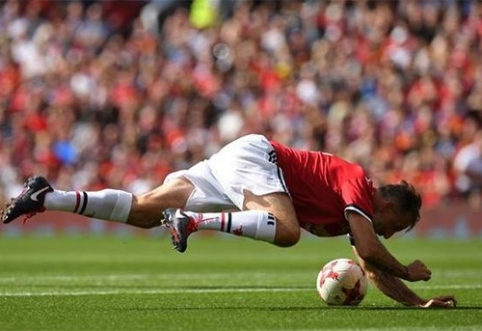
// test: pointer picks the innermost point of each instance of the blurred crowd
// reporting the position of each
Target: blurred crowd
(118, 94)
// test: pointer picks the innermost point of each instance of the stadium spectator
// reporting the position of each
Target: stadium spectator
(468, 167)
(123, 99)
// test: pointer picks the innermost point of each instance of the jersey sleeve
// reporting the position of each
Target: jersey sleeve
(357, 196)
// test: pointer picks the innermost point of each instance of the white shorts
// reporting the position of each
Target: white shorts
(248, 163)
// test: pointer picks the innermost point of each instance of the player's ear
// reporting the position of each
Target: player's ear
(383, 204)
(387, 205)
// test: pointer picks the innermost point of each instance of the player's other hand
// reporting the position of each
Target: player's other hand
(417, 271)
(443, 301)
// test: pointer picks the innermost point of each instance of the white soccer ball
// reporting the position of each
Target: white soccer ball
(342, 282)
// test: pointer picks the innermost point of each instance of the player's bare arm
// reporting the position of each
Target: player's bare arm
(374, 252)
(396, 289)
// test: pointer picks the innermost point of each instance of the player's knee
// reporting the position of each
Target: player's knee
(142, 214)
(288, 237)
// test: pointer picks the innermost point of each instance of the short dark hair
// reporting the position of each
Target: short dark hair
(406, 198)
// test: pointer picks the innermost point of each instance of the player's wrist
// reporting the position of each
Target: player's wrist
(406, 273)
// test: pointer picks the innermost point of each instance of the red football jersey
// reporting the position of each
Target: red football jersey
(323, 188)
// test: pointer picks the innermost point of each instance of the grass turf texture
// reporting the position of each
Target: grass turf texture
(114, 283)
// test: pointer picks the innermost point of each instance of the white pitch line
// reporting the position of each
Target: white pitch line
(196, 291)
(154, 291)
(117, 277)
(179, 276)
(448, 287)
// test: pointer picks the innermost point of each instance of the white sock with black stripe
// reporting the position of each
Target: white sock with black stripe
(255, 224)
(108, 204)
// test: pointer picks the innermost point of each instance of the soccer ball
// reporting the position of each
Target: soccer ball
(342, 282)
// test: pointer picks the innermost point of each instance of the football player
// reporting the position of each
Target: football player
(261, 189)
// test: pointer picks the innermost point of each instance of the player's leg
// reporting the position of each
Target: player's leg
(269, 218)
(143, 211)
(256, 185)
(147, 209)
(241, 168)
(280, 210)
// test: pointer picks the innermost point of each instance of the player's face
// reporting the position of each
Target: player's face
(388, 223)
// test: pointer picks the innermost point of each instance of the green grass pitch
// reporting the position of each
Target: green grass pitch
(220, 283)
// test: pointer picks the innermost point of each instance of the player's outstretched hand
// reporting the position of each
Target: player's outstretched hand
(443, 301)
